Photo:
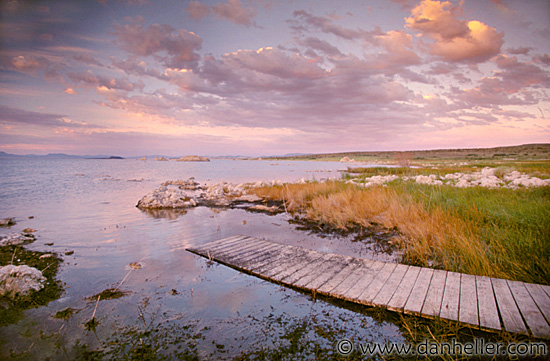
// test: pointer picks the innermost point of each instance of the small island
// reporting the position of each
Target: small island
(193, 158)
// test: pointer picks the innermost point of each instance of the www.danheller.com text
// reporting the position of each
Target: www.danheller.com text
(478, 347)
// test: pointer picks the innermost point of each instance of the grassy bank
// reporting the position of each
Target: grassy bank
(540, 169)
(492, 232)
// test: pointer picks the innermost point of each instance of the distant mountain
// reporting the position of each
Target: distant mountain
(58, 156)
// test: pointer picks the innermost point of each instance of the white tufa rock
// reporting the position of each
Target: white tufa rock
(485, 178)
(17, 281)
(165, 197)
(15, 239)
(431, 179)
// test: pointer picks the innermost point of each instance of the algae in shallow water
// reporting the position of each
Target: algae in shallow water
(12, 311)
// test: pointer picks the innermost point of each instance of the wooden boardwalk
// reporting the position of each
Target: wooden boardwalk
(489, 304)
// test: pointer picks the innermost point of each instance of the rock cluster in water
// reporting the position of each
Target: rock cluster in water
(20, 281)
(13, 239)
(189, 193)
(485, 178)
(193, 158)
(7, 222)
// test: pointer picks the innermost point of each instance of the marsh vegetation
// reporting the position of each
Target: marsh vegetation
(502, 233)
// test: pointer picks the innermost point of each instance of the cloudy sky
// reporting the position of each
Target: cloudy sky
(258, 77)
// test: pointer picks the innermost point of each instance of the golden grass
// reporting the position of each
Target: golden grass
(431, 234)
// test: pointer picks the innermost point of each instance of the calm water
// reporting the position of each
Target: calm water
(88, 206)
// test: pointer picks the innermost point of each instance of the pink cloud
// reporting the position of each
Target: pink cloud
(320, 45)
(543, 59)
(522, 50)
(89, 78)
(197, 10)
(514, 84)
(181, 45)
(233, 11)
(304, 20)
(454, 39)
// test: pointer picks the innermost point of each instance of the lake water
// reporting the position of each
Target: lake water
(177, 299)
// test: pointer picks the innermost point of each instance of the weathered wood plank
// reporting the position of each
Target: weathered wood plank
(541, 299)
(290, 256)
(246, 249)
(383, 297)
(214, 245)
(418, 294)
(295, 264)
(507, 307)
(308, 269)
(451, 297)
(467, 311)
(340, 289)
(327, 269)
(253, 258)
(401, 295)
(475, 300)
(377, 284)
(339, 277)
(432, 303)
(315, 283)
(487, 305)
(368, 274)
(529, 310)
(284, 255)
(226, 247)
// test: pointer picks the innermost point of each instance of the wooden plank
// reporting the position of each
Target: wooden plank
(295, 264)
(253, 247)
(256, 256)
(418, 294)
(451, 297)
(377, 284)
(369, 273)
(215, 244)
(529, 310)
(288, 257)
(487, 305)
(339, 277)
(340, 289)
(226, 247)
(401, 294)
(509, 312)
(541, 299)
(260, 254)
(323, 273)
(284, 255)
(432, 303)
(477, 301)
(384, 296)
(310, 268)
(467, 311)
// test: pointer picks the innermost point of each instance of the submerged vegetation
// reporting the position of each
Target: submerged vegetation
(500, 232)
(11, 311)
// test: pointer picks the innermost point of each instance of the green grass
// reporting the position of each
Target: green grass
(540, 169)
(512, 225)
(501, 233)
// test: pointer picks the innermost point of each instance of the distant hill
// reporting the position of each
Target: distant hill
(58, 156)
(525, 151)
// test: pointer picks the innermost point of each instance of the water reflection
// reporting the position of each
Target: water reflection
(167, 213)
(77, 207)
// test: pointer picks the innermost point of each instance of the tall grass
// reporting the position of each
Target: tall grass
(491, 232)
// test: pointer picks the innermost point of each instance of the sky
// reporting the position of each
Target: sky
(265, 77)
